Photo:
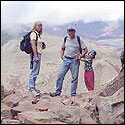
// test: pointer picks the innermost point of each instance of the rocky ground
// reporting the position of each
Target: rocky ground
(104, 106)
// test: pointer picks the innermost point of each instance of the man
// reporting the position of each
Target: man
(70, 54)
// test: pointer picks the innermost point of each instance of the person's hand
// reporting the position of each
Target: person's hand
(37, 59)
(78, 57)
(62, 57)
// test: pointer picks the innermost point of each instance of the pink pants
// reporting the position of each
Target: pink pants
(89, 80)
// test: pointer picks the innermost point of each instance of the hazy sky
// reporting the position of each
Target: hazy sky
(59, 12)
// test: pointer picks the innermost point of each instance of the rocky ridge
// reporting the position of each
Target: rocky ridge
(103, 106)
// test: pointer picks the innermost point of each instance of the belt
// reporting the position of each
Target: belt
(68, 57)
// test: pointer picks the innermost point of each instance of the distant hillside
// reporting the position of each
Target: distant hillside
(104, 105)
(16, 31)
(109, 34)
(114, 44)
(98, 32)
(15, 66)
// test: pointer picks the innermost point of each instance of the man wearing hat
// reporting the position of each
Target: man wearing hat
(70, 54)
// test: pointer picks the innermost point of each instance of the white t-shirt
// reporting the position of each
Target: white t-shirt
(39, 41)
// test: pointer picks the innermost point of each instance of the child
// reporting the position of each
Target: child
(89, 73)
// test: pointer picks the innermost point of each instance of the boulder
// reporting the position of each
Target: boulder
(113, 86)
(111, 108)
(6, 111)
(75, 115)
(12, 100)
(41, 117)
(10, 121)
(22, 107)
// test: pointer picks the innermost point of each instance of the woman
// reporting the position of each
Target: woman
(37, 47)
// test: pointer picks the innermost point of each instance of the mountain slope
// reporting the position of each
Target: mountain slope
(103, 33)
(15, 66)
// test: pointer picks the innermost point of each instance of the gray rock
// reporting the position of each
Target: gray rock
(10, 121)
(6, 111)
(111, 108)
(12, 100)
(114, 85)
(75, 115)
(42, 117)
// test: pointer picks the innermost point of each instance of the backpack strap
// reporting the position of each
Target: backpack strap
(65, 41)
(36, 37)
(31, 62)
(78, 39)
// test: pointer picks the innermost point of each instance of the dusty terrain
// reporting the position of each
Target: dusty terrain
(15, 66)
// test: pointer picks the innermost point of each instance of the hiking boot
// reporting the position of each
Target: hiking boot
(35, 93)
(54, 94)
(38, 91)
